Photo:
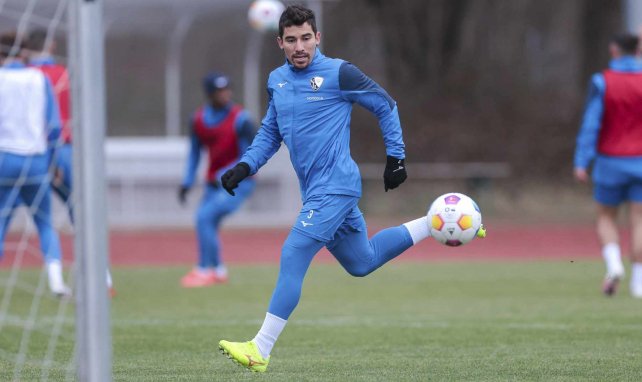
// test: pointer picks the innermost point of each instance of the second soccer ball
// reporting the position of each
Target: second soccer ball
(264, 15)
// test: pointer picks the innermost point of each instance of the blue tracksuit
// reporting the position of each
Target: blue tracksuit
(25, 177)
(586, 150)
(309, 110)
(216, 202)
(615, 178)
(63, 158)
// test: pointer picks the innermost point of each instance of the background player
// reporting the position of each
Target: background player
(42, 48)
(29, 130)
(42, 56)
(310, 101)
(610, 138)
(225, 130)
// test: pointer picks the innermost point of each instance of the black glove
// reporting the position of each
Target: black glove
(395, 173)
(182, 194)
(232, 177)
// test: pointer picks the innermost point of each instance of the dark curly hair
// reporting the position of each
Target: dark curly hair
(7, 41)
(296, 15)
(628, 43)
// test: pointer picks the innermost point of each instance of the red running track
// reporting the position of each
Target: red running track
(178, 247)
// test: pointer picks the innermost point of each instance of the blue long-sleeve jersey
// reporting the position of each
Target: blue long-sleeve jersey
(586, 145)
(243, 126)
(309, 110)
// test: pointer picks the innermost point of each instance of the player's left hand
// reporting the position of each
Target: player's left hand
(395, 173)
(182, 194)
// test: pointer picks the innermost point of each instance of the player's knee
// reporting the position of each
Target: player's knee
(204, 217)
(360, 271)
(200, 217)
(289, 264)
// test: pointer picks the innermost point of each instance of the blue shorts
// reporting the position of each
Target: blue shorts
(617, 180)
(324, 217)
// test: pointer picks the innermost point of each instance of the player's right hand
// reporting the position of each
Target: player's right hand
(581, 175)
(59, 177)
(182, 194)
(232, 177)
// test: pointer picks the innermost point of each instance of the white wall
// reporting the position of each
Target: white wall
(143, 176)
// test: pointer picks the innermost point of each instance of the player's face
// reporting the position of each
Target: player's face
(614, 50)
(220, 98)
(299, 43)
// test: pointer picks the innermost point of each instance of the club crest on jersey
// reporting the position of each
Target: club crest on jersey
(316, 83)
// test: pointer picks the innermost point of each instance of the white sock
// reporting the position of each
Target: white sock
(270, 331)
(636, 279)
(613, 258)
(418, 229)
(221, 271)
(54, 274)
(110, 282)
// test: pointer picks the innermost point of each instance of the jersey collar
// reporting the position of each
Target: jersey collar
(211, 111)
(626, 64)
(42, 60)
(13, 64)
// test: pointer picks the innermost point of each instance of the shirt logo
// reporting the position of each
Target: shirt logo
(316, 83)
(282, 84)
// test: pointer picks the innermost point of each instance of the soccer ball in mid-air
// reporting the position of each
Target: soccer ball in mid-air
(264, 15)
(454, 219)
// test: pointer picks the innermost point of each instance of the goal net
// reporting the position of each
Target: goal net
(51, 326)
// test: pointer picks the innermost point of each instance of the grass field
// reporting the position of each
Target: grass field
(410, 321)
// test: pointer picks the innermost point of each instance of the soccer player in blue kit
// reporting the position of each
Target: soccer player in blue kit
(225, 130)
(42, 57)
(310, 101)
(29, 129)
(610, 139)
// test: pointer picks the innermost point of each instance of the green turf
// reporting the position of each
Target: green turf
(522, 321)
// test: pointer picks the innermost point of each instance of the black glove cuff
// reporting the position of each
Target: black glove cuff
(245, 167)
(392, 161)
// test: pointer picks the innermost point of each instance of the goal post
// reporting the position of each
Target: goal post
(93, 332)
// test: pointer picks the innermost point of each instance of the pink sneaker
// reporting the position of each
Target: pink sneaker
(610, 284)
(197, 279)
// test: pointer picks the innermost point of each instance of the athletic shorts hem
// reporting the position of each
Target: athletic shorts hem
(311, 235)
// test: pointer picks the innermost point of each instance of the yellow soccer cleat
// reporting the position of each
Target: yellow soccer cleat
(481, 232)
(245, 354)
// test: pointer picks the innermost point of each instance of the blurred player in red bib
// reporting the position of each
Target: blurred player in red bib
(610, 139)
(224, 130)
(42, 57)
